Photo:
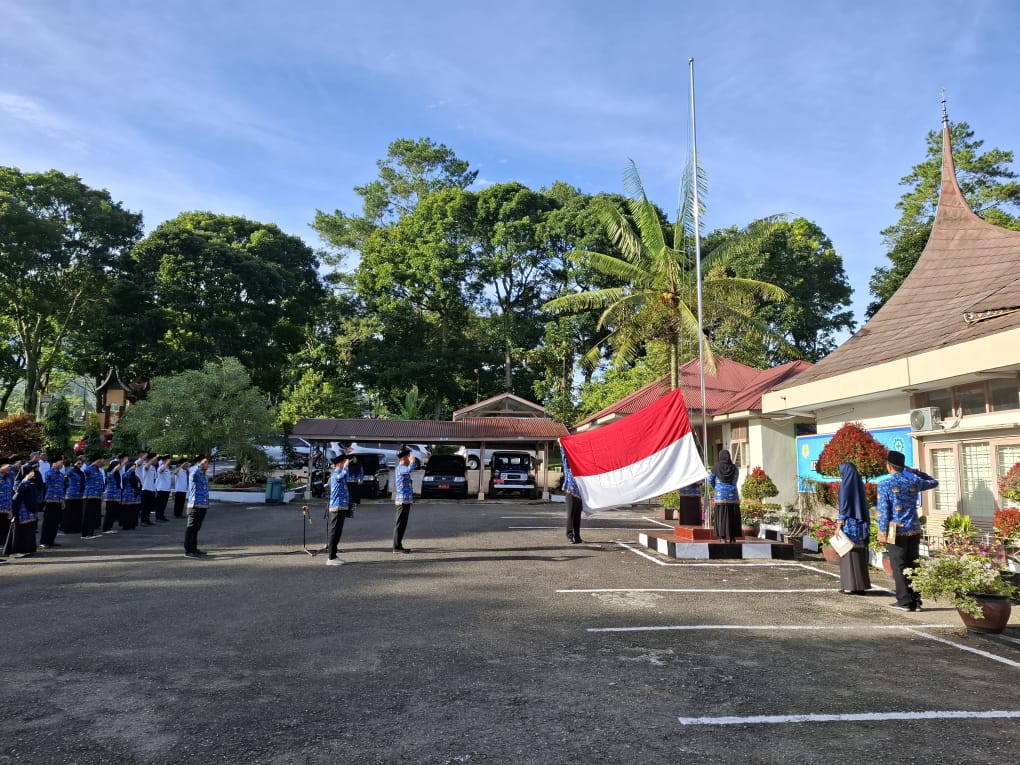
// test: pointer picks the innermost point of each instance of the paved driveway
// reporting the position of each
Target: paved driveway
(492, 642)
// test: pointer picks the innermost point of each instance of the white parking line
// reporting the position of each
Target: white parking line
(732, 563)
(978, 651)
(703, 589)
(772, 627)
(859, 717)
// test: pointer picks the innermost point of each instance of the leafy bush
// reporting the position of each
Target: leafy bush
(670, 500)
(821, 529)
(852, 443)
(1009, 486)
(959, 577)
(57, 427)
(758, 485)
(827, 492)
(751, 512)
(1007, 525)
(20, 434)
(239, 478)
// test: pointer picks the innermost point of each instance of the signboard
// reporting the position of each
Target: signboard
(810, 447)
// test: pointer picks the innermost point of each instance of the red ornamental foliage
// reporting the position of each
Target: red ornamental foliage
(20, 434)
(852, 443)
(1009, 487)
(828, 493)
(1007, 524)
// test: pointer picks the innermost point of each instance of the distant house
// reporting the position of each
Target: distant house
(936, 369)
(733, 416)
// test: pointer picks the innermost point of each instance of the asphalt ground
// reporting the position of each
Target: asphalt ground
(493, 641)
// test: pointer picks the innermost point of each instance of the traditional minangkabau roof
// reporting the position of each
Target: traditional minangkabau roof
(734, 387)
(965, 286)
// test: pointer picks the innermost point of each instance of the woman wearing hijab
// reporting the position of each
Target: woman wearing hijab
(726, 513)
(855, 522)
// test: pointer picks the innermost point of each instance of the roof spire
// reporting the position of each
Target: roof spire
(945, 112)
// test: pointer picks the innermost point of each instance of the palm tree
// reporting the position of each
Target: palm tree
(658, 284)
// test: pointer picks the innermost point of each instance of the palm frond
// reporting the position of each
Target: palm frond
(614, 267)
(586, 301)
(619, 229)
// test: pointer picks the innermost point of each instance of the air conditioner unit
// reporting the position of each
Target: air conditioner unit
(926, 418)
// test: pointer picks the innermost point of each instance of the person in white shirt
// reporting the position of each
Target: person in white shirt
(180, 488)
(146, 471)
(164, 485)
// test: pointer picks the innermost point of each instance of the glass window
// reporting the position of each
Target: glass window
(943, 470)
(1005, 458)
(943, 399)
(976, 477)
(1005, 395)
(971, 400)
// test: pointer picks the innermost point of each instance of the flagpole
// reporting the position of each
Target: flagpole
(697, 268)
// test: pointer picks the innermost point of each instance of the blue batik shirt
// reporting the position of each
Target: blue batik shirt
(54, 486)
(898, 498)
(95, 480)
(25, 501)
(130, 487)
(404, 490)
(569, 484)
(724, 492)
(75, 483)
(6, 491)
(114, 489)
(339, 497)
(198, 488)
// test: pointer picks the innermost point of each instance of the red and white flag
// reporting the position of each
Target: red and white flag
(644, 455)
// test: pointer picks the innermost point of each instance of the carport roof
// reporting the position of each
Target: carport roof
(491, 430)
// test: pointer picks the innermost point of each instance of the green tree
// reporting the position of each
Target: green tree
(799, 258)
(412, 170)
(210, 286)
(987, 184)
(57, 426)
(311, 396)
(620, 380)
(194, 411)
(59, 241)
(655, 299)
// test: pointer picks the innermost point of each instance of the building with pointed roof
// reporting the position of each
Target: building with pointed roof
(939, 362)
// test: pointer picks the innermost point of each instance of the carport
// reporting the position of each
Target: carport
(536, 433)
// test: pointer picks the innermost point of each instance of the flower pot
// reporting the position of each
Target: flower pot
(829, 553)
(996, 610)
(749, 531)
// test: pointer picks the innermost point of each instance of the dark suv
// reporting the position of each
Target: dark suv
(376, 482)
(513, 471)
(445, 476)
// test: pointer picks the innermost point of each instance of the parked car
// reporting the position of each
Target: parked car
(277, 455)
(513, 471)
(445, 476)
(389, 451)
(376, 482)
(471, 455)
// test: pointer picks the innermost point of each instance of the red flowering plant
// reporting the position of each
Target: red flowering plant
(1009, 486)
(1007, 526)
(821, 529)
(758, 485)
(852, 443)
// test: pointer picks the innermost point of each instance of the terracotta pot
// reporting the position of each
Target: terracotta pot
(749, 531)
(996, 610)
(829, 553)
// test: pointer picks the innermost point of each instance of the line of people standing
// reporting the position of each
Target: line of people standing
(71, 496)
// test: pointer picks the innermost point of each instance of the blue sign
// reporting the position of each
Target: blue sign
(810, 447)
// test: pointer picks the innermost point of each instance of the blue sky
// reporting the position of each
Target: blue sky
(273, 109)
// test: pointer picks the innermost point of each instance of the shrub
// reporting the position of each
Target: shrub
(20, 434)
(852, 443)
(1007, 525)
(670, 500)
(959, 577)
(828, 493)
(238, 478)
(1009, 486)
(758, 485)
(57, 427)
(821, 529)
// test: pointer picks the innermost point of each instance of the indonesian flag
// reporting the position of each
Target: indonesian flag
(644, 455)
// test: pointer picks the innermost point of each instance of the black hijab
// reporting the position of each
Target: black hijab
(853, 502)
(724, 468)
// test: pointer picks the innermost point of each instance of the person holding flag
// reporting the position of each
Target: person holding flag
(574, 504)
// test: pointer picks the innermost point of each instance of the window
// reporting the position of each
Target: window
(943, 399)
(971, 400)
(976, 477)
(1005, 395)
(1005, 458)
(943, 470)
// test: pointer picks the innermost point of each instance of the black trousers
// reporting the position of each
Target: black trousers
(159, 505)
(574, 506)
(129, 515)
(92, 515)
(354, 490)
(24, 537)
(400, 526)
(51, 523)
(112, 514)
(195, 517)
(70, 522)
(904, 555)
(148, 500)
(334, 530)
(180, 498)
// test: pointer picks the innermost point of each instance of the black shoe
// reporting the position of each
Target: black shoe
(201, 552)
(401, 550)
(577, 541)
(570, 537)
(191, 555)
(898, 607)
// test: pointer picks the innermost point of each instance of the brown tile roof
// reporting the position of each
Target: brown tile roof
(505, 403)
(492, 430)
(965, 286)
(734, 388)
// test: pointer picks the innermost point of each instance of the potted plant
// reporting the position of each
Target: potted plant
(1007, 531)
(751, 513)
(958, 529)
(1009, 486)
(822, 530)
(968, 577)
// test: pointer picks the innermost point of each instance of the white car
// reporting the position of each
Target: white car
(420, 452)
(471, 455)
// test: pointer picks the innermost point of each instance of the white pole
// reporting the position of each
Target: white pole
(697, 267)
